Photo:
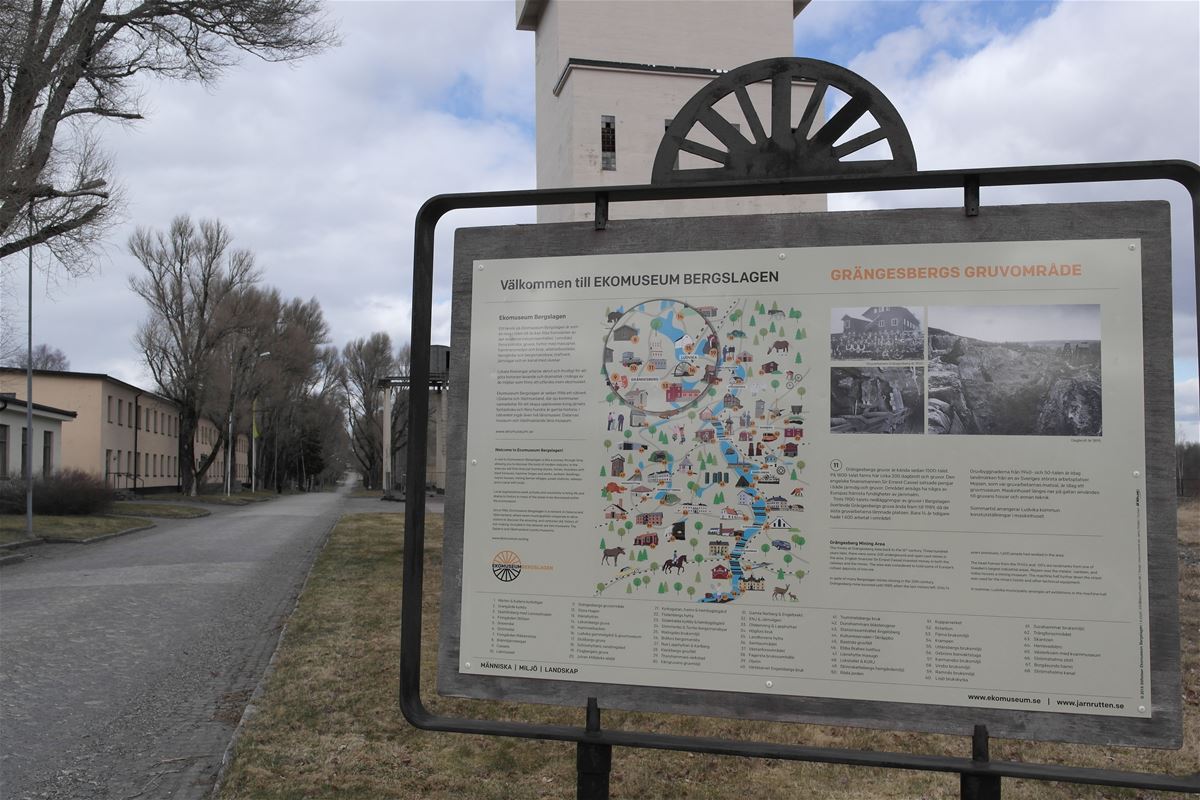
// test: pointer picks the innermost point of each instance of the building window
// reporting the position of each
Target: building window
(608, 142)
(120, 411)
(110, 408)
(24, 451)
(107, 462)
(131, 415)
(145, 463)
(156, 420)
(128, 462)
(3, 451)
(138, 422)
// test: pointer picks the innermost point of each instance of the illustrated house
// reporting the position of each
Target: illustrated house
(624, 333)
(779, 523)
(679, 529)
(752, 584)
(730, 513)
(685, 341)
(791, 449)
(760, 408)
(731, 401)
(685, 463)
(775, 503)
(650, 518)
(636, 398)
(608, 355)
(646, 540)
(642, 489)
(718, 547)
(793, 433)
(720, 572)
(618, 466)
(769, 367)
(614, 511)
(746, 498)
(707, 311)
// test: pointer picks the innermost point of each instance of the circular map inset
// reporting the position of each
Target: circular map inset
(661, 356)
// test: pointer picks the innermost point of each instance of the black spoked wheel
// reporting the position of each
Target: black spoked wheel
(785, 151)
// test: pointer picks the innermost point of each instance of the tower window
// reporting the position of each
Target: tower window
(608, 142)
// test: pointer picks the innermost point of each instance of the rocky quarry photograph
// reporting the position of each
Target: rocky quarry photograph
(1027, 375)
(876, 399)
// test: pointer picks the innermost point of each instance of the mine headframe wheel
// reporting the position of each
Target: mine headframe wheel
(784, 151)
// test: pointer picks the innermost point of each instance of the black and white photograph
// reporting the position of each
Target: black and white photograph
(1030, 370)
(876, 399)
(878, 333)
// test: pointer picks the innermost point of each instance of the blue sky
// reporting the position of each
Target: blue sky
(319, 168)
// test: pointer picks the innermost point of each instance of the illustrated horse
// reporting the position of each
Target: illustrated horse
(780, 346)
(780, 592)
(613, 553)
(675, 563)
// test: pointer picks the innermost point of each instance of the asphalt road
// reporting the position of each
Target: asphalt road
(125, 665)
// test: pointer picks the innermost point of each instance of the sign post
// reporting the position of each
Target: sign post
(905, 469)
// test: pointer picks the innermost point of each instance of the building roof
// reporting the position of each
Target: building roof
(56, 373)
(529, 12)
(10, 402)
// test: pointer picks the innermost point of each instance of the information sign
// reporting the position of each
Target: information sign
(866, 473)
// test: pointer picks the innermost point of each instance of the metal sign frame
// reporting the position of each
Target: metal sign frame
(980, 776)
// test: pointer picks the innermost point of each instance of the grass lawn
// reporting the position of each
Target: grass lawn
(162, 510)
(329, 724)
(12, 526)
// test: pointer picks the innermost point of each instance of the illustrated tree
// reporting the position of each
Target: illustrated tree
(603, 546)
(691, 590)
(766, 548)
(603, 472)
(779, 575)
(699, 558)
(678, 587)
(694, 542)
(787, 558)
(66, 67)
(628, 589)
(642, 555)
(798, 540)
(662, 587)
(600, 588)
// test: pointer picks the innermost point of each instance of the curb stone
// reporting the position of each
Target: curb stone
(94, 539)
(15, 558)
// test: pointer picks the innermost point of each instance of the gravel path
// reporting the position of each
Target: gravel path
(126, 664)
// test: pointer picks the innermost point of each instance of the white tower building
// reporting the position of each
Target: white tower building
(611, 74)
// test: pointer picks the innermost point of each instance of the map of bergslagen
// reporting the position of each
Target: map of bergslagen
(701, 486)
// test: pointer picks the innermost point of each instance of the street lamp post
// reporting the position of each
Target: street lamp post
(254, 436)
(230, 444)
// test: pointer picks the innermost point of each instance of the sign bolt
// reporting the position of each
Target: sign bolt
(1137, 473)
(770, 684)
(783, 256)
(468, 665)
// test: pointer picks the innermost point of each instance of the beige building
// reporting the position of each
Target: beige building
(47, 438)
(124, 434)
(610, 76)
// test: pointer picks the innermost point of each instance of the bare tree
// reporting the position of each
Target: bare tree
(192, 283)
(65, 66)
(365, 362)
(46, 357)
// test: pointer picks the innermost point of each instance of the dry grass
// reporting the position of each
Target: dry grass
(75, 528)
(329, 726)
(163, 510)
